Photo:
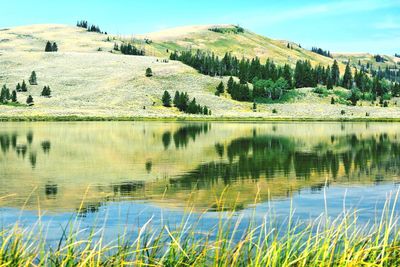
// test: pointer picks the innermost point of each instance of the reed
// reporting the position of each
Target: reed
(324, 241)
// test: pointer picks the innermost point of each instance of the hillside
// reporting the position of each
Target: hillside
(246, 44)
(87, 78)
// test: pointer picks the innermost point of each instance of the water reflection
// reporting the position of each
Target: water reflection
(13, 142)
(170, 163)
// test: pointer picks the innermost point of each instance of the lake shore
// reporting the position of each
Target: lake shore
(195, 119)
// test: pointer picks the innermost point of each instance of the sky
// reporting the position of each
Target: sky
(339, 26)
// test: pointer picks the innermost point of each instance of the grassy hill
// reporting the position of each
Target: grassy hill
(88, 79)
(243, 44)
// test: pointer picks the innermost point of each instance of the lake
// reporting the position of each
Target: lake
(121, 174)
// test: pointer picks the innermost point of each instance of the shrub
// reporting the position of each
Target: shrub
(274, 111)
(342, 112)
(149, 72)
(29, 100)
(320, 91)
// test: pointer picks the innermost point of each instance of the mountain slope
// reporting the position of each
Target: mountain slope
(87, 78)
(246, 44)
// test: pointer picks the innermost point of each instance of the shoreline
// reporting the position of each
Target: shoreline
(188, 119)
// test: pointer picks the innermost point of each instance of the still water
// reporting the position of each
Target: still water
(120, 174)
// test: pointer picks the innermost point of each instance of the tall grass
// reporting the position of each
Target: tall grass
(324, 241)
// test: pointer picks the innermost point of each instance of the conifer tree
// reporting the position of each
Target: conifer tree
(24, 88)
(220, 89)
(14, 96)
(5, 95)
(231, 83)
(48, 47)
(54, 47)
(329, 82)
(166, 99)
(335, 73)
(18, 88)
(46, 92)
(347, 77)
(192, 108)
(176, 98)
(205, 110)
(33, 78)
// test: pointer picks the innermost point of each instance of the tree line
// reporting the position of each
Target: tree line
(129, 49)
(223, 30)
(90, 28)
(321, 52)
(182, 102)
(264, 77)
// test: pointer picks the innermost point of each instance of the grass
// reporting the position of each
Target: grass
(196, 118)
(13, 104)
(88, 84)
(341, 241)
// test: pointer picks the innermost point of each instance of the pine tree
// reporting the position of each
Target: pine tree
(29, 100)
(14, 96)
(149, 72)
(192, 108)
(176, 99)
(18, 88)
(335, 73)
(48, 47)
(24, 88)
(33, 78)
(287, 75)
(220, 89)
(54, 47)
(347, 77)
(4, 95)
(46, 92)
(166, 99)
(231, 83)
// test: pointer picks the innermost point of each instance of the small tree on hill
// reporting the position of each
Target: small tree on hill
(48, 47)
(29, 100)
(24, 88)
(192, 108)
(4, 95)
(176, 99)
(347, 77)
(46, 92)
(149, 72)
(166, 99)
(54, 47)
(18, 88)
(14, 96)
(33, 78)
(220, 89)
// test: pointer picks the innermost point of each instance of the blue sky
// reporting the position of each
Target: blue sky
(341, 26)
